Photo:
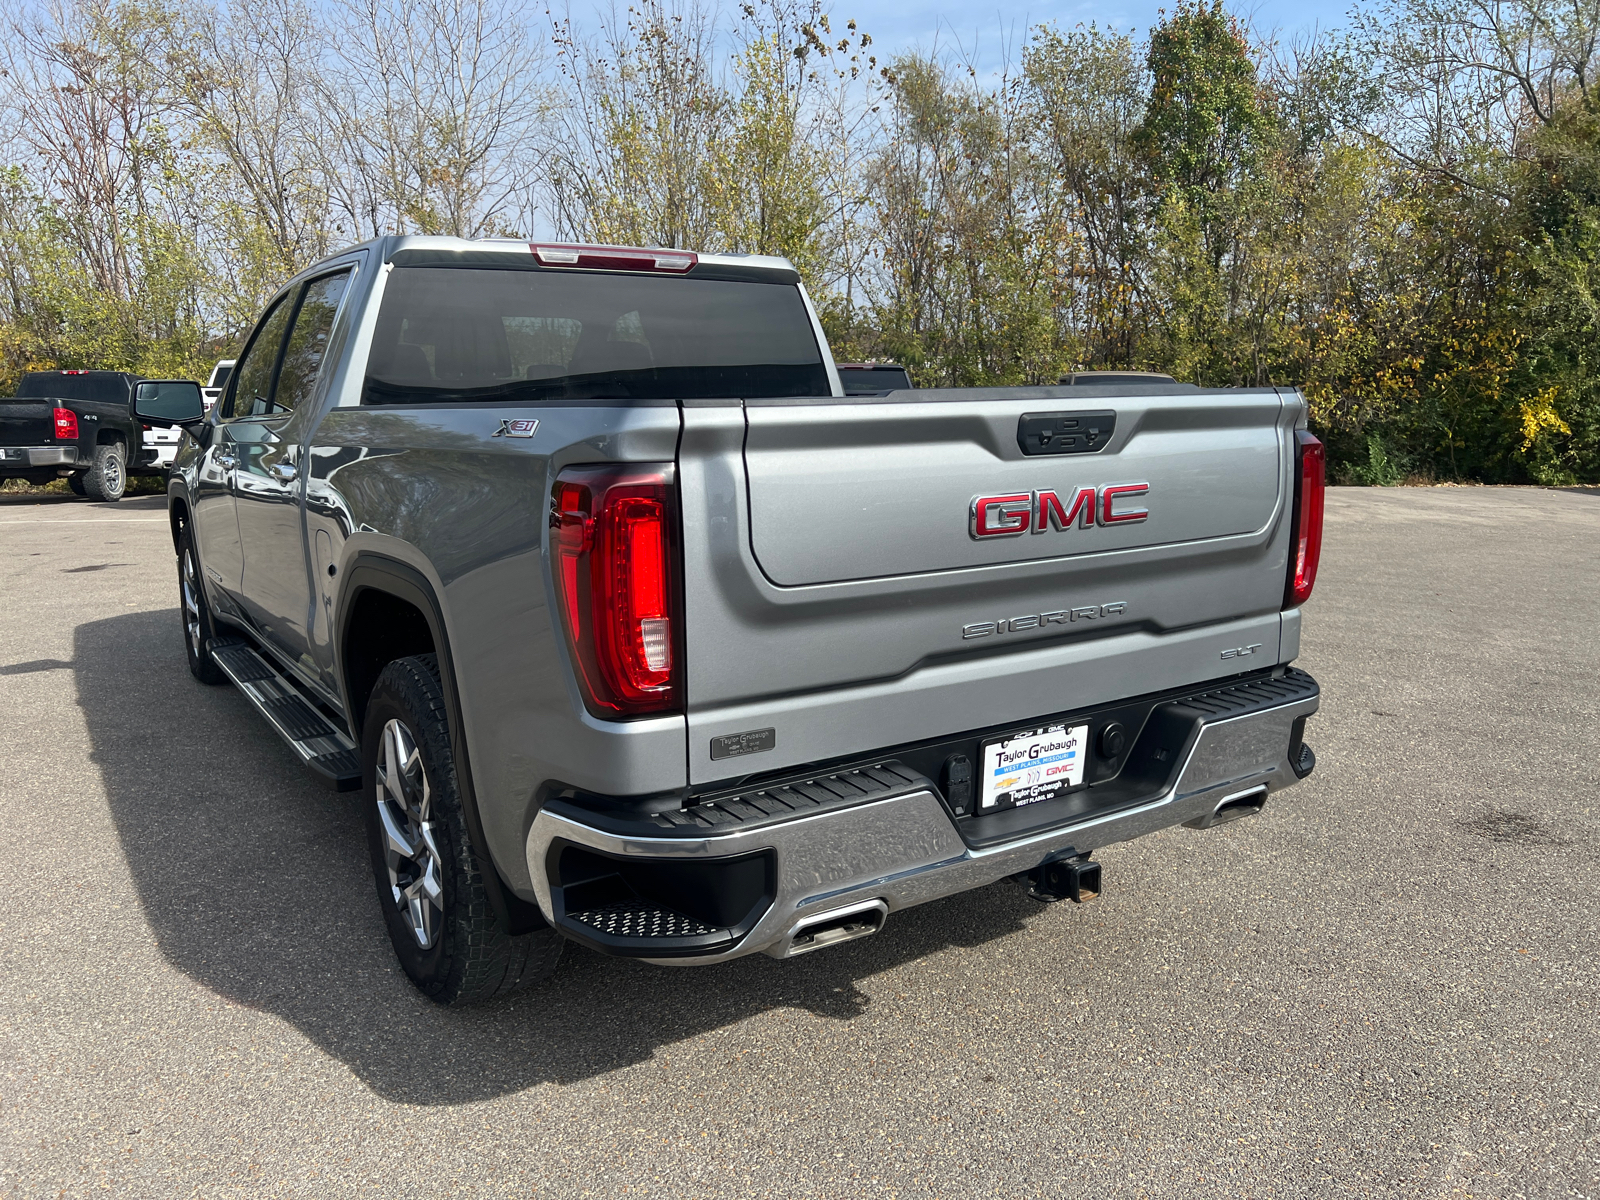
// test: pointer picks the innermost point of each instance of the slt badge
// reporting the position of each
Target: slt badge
(517, 429)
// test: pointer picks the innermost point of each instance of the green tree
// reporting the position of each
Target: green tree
(1208, 127)
(1087, 91)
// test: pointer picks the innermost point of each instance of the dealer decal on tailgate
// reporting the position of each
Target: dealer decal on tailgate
(1028, 767)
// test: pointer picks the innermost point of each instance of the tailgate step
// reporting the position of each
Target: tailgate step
(322, 748)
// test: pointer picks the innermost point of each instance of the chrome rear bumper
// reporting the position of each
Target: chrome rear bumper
(906, 850)
(38, 456)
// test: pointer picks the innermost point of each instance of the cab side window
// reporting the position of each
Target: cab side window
(308, 341)
(252, 390)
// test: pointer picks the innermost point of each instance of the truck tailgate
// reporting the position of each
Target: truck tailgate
(27, 423)
(836, 560)
(863, 491)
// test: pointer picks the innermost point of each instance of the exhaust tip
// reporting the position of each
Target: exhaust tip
(831, 928)
(1230, 808)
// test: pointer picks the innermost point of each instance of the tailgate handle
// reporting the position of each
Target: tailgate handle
(1065, 432)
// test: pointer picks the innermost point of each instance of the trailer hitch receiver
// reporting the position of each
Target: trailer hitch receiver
(1065, 876)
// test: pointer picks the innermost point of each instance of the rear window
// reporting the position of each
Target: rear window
(862, 380)
(467, 334)
(101, 387)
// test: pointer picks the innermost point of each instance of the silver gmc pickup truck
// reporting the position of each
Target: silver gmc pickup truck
(632, 628)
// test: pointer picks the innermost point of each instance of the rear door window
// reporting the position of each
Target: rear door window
(480, 334)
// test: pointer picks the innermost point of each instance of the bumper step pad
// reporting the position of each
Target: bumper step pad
(802, 798)
(322, 748)
(758, 806)
(641, 919)
(1252, 695)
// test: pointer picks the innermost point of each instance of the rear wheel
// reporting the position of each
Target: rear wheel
(75, 482)
(107, 478)
(431, 885)
(195, 613)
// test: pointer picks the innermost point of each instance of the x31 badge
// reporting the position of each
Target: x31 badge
(516, 429)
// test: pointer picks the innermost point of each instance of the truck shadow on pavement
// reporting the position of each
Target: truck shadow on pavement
(256, 885)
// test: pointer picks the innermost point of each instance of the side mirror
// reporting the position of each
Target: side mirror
(168, 402)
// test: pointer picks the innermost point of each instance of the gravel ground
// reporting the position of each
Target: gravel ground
(1384, 985)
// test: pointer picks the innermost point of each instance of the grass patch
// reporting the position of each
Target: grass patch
(138, 485)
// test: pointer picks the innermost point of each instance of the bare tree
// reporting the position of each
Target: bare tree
(86, 111)
(1466, 79)
(251, 89)
(1087, 91)
(645, 116)
(433, 109)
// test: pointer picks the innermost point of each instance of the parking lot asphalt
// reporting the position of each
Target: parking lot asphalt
(1388, 984)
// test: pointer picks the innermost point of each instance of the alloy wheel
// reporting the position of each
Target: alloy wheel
(191, 603)
(404, 800)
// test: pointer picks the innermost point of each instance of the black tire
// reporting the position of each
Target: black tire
(75, 482)
(434, 900)
(195, 614)
(107, 477)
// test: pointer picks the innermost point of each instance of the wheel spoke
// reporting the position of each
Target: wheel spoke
(416, 781)
(422, 921)
(425, 903)
(425, 831)
(411, 855)
(390, 772)
(430, 885)
(397, 842)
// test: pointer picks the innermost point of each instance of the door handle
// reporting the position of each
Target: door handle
(227, 461)
(284, 472)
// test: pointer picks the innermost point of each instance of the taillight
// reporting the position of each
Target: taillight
(614, 258)
(1310, 479)
(612, 545)
(66, 424)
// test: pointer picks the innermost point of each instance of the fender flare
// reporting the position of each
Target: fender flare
(369, 571)
(178, 495)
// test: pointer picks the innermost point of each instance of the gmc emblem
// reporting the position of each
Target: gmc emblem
(1035, 512)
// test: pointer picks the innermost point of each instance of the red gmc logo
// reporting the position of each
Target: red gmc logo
(1035, 512)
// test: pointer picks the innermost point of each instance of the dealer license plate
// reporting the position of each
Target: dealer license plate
(1035, 765)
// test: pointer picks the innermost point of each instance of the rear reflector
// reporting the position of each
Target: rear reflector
(612, 546)
(1305, 552)
(615, 258)
(66, 423)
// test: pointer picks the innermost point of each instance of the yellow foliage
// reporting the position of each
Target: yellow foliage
(1539, 416)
